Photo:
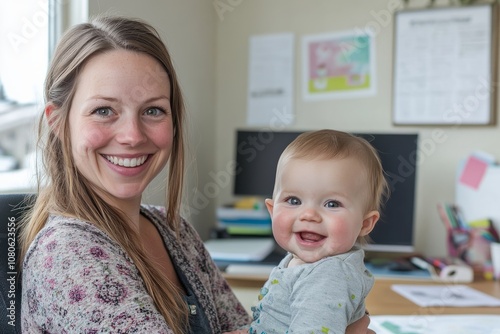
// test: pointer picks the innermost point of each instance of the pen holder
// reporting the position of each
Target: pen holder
(469, 245)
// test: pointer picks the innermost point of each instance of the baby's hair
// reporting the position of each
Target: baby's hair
(331, 144)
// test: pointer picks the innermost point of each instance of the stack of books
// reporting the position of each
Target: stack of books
(249, 222)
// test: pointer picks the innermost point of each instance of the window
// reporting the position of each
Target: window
(25, 28)
(29, 30)
(24, 51)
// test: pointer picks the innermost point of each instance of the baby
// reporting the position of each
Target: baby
(327, 197)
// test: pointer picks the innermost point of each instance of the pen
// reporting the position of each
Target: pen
(436, 263)
(418, 262)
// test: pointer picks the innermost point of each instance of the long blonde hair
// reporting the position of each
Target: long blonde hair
(63, 190)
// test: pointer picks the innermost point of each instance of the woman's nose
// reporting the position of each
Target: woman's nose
(131, 132)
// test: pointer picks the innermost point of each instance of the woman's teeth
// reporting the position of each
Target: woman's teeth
(126, 162)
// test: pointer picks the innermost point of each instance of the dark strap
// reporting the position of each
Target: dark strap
(12, 207)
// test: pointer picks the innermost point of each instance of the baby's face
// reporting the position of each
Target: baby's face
(319, 207)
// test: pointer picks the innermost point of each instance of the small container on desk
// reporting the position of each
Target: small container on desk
(453, 270)
(445, 270)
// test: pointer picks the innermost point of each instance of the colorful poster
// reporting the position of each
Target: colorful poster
(338, 65)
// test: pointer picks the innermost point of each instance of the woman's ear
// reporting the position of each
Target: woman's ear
(51, 114)
(369, 222)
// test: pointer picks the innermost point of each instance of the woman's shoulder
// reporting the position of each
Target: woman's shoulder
(66, 234)
(72, 228)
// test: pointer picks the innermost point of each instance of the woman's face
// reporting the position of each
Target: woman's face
(120, 123)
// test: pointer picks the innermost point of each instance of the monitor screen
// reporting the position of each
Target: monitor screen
(257, 154)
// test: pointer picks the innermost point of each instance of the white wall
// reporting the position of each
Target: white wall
(210, 50)
(438, 160)
(188, 30)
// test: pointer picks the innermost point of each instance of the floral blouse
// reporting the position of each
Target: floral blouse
(77, 280)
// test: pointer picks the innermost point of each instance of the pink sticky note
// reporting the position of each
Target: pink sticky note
(473, 172)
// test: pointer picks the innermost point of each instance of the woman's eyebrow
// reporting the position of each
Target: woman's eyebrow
(113, 99)
(102, 97)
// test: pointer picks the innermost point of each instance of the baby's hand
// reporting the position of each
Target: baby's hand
(239, 331)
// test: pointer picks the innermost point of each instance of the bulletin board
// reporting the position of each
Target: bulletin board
(476, 188)
(444, 66)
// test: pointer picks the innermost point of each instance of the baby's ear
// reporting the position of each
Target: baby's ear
(52, 115)
(269, 205)
(369, 222)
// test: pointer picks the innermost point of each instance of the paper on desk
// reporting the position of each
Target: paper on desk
(435, 324)
(445, 295)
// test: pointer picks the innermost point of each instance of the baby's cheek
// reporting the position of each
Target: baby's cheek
(345, 235)
(282, 231)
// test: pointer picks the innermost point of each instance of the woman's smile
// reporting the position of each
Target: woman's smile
(126, 162)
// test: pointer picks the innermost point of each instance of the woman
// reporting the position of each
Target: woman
(95, 259)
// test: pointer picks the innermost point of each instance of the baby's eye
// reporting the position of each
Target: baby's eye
(332, 204)
(103, 111)
(293, 201)
(155, 111)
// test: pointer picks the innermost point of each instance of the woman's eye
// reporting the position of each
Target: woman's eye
(103, 112)
(293, 201)
(332, 204)
(154, 111)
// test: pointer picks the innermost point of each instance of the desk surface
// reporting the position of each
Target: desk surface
(381, 300)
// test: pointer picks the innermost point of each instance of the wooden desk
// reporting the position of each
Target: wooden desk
(381, 300)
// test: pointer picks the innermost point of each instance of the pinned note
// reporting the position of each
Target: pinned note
(473, 172)
(478, 188)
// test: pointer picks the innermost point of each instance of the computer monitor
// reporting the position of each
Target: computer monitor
(257, 154)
